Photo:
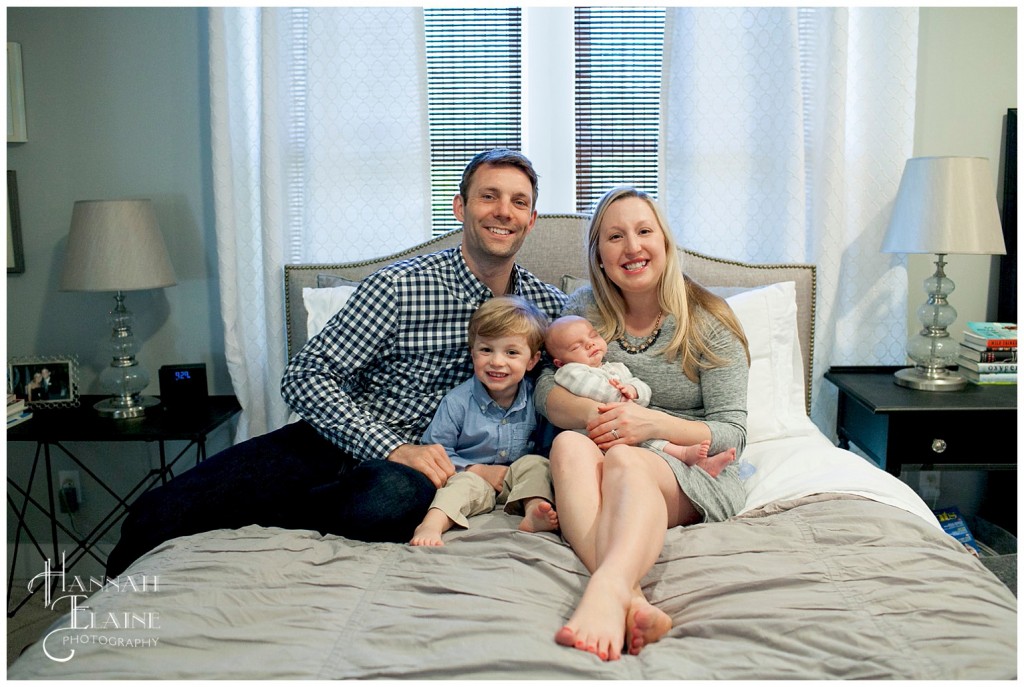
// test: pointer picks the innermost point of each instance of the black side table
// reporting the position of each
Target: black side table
(975, 428)
(972, 429)
(51, 427)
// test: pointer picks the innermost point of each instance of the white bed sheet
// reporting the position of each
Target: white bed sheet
(806, 463)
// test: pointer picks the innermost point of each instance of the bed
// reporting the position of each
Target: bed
(833, 570)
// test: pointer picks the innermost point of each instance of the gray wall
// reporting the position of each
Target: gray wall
(117, 106)
(966, 80)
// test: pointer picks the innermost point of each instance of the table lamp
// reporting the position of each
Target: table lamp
(944, 205)
(116, 245)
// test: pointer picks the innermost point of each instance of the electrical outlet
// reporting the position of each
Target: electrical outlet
(69, 490)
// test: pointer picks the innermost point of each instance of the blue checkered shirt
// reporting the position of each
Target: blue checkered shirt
(373, 378)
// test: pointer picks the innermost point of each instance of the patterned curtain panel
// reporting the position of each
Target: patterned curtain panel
(320, 154)
(784, 133)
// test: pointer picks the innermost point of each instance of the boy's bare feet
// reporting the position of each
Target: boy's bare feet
(713, 465)
(539, 516)
(424, 536)
(428, 532)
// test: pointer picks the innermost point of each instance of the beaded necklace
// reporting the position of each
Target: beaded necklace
(643, 345)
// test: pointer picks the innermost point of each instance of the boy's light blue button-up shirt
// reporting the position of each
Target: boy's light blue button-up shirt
(475, 430)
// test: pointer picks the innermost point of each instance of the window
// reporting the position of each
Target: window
(473, 94)
(474, 89)
(618, 92)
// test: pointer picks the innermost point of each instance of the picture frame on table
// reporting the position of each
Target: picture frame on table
(15, 251)
(44, 381)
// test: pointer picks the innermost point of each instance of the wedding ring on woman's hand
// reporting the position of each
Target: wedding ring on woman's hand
(615, 433)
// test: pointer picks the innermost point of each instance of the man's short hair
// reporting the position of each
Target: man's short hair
(499, 157)
(509, 316)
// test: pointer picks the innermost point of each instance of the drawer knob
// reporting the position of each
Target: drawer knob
(938, 445)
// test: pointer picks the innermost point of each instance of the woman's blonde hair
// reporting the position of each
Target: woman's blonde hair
(678, 295)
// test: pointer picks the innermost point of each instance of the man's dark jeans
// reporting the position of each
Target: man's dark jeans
(291, 478)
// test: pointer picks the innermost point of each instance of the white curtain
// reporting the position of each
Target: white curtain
(785, 132)
(320, 154)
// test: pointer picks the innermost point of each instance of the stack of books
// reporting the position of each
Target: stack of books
(988, 353)
(16, 411)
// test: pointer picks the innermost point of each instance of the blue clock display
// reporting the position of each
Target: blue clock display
(183, 384)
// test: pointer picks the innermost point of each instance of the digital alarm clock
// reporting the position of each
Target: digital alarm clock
(180, 384)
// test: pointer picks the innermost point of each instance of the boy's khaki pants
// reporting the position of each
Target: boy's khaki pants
(466, 494)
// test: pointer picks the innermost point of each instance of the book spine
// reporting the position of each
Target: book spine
(981, 346)
(18, 419)
(986, 368)
(988, 356)
(989, 377)
(991, 343)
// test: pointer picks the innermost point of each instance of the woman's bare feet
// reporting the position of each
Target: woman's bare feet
(598, 623)
(539, 516)
(645, 624)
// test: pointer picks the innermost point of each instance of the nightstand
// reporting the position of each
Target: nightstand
(972, 429)
(51, 428)
(975, 428)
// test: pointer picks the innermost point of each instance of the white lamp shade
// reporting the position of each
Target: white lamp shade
(945, 205)
(115, 245)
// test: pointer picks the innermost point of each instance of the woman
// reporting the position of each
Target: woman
(33, 385)
(615, 499)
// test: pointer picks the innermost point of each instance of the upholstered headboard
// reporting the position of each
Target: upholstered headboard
(555, 249)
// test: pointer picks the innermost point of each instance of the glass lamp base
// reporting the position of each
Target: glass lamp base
(125, 407)
(929, 379)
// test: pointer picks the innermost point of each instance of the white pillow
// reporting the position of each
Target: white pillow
(775, 390)
(322, 305)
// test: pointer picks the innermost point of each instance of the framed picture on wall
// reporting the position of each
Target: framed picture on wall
(1007, 308)
(17, 132)
(44, 380)
(15, 252)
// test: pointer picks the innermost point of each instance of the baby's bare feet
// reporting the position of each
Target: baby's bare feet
(692, 455)
(714, 465)
(540, 516)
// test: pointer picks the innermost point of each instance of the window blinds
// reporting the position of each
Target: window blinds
(474, 58)
(618, 89)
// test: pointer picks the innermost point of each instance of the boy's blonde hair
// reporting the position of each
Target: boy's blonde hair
(509, 316)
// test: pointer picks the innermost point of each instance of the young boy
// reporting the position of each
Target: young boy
(578, 352)
(485, 424)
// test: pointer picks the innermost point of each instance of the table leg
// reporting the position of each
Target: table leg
(49, 500)
(163, 463)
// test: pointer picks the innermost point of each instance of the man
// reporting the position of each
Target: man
(366, 388)
(50, 387)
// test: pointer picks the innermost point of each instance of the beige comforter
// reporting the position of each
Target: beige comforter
(821, 587)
